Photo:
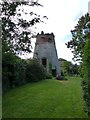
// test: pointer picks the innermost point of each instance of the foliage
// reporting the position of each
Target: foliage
(19, 72)
(16, 71)
(13, 71)
(16, 38)
(79, 37)
(34, 71)
(81, 70)
(80, 44)
(67, 66)
(48, 76)
(75, 69)
(86, 75)
(7, 70)
(70, 68)
(15, 28)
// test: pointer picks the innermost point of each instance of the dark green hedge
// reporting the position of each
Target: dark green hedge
(13, 71)
(86, 76)
(16, 71)
(34, 71)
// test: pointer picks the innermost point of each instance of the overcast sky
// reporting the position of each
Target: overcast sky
(62, 17)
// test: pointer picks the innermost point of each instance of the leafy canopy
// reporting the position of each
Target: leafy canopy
(79, 34)
(16, 30)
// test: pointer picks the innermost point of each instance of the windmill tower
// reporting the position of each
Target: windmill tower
(46, 53)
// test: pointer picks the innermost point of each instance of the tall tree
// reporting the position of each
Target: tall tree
(15, 29)
(79, 37)
(16, 37)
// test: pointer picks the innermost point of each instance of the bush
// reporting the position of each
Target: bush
(48, 76)
(19, 72)
(13, 71)
(34, 71)
(16, 71)
(8, 60)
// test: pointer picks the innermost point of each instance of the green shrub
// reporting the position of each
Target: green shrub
(19, 72)
(86, 76)
(16, 71)
(13, 71)
(8, 60)
(34, 71)
(48, 76)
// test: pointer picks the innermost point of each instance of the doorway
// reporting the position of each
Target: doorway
(54, 72)
(44, 62)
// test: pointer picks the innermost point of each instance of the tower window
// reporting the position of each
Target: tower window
(44, 62)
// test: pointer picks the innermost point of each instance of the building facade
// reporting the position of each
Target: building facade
(45, 52)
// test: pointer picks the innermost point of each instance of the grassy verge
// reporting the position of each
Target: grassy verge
(45, 99)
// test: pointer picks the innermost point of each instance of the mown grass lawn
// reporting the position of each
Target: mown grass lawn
(45, 99)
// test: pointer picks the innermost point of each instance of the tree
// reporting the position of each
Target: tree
(80, 46)
(15, 31)
(16, 38)
(79, 37)
(67, 66)
(75, 69)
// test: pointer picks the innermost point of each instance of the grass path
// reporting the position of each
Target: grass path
(45, 99)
